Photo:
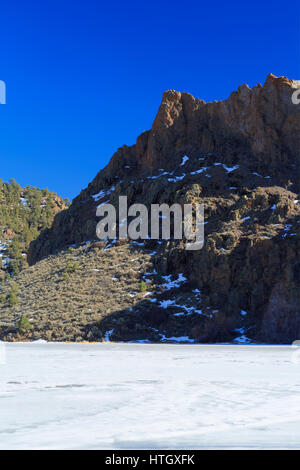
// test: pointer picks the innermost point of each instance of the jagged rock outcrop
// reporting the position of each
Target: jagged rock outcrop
(244, 166)
(262, 122)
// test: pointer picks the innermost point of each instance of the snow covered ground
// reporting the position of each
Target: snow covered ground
(122, 396)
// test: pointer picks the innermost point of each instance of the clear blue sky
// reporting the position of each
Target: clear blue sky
(85, 77)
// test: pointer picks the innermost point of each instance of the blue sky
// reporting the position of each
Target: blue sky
(85, 77)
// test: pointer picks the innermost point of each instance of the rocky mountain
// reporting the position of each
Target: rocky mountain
(240, 158)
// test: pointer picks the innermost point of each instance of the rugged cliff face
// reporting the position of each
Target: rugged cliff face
(243, 164)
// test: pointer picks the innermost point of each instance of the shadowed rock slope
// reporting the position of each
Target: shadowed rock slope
(243, 164)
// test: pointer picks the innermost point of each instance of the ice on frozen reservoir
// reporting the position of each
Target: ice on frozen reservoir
(131, 396)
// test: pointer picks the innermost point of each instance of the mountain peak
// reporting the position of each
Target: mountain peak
(256, 128)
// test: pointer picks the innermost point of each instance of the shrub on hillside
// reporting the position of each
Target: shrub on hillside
(143, 286)
(71, 267)
(23, 324)
(13, 299)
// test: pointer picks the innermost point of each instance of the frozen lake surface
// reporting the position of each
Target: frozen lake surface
(122, 396)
